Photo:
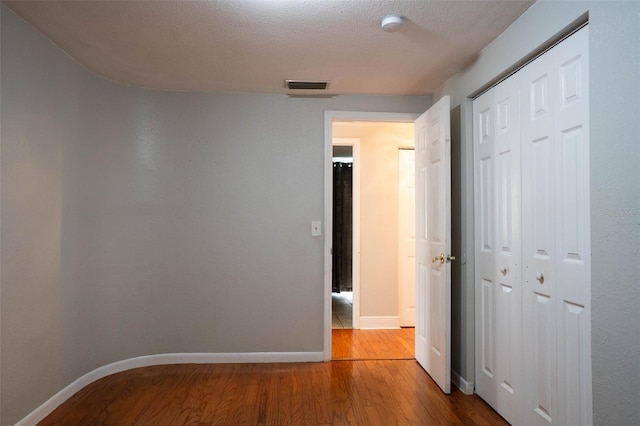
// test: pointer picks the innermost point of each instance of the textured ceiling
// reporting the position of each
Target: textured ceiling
(254, 46)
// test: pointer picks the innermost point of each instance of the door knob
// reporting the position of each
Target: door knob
(540, 277)
(438, 258)
(503, 270)
(450, 258)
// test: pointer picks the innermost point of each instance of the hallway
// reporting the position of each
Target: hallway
(342, 310)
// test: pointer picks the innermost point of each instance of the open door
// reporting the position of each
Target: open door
(433, 243)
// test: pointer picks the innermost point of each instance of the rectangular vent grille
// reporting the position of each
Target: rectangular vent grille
(306, 85)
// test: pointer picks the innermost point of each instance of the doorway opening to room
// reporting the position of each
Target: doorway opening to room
(372, 276)
(345, 273)
(430, 135)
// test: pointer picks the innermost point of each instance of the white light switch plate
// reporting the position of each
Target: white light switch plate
(316, 228)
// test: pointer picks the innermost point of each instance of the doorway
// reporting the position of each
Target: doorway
(375, 132)
(432, 140)
(345, 274)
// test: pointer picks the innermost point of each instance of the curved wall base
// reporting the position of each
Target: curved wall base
(55, 401)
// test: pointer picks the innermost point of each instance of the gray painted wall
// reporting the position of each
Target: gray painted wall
(138, 222)
(125, 228)
(614, 43)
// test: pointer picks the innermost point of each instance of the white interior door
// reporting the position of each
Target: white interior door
(497, 234)
(407, 237)
(433, 242)
(556, 235)
(533, 315)
(538, 178)
(484, 200)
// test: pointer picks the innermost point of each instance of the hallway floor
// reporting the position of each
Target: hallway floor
(349, 344)
(342, 310)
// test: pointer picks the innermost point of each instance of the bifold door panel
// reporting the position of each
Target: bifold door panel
(533, 315)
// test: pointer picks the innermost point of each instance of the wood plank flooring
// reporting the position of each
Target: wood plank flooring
(372, 344)
(372, 380)
(382, 392)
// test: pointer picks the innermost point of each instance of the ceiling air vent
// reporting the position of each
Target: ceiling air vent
(306, 85)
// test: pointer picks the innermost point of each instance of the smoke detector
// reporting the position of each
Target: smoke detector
(392, 23)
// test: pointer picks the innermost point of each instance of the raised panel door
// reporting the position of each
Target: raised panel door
(507, 266)
(433, 240)
(484, 199)
(538, 237)
(573, 244)
(406, 237)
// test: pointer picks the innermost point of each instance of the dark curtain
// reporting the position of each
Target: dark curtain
(342, 227)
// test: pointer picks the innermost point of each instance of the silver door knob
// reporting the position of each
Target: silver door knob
(503, 270)
(540, 277)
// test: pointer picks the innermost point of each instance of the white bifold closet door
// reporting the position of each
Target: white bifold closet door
(556, 243)
(533, 314)
(498, 242)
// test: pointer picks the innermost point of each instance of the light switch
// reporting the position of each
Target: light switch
(316, 228)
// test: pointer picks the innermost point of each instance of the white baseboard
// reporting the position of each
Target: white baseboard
(55, 401)
(379, 323)
(464, 386)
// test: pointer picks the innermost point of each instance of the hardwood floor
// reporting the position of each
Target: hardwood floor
(378, 392)
(372, 344)
(372, 380)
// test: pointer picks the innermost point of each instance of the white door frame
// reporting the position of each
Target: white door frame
(329, 118)
(355, 248)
